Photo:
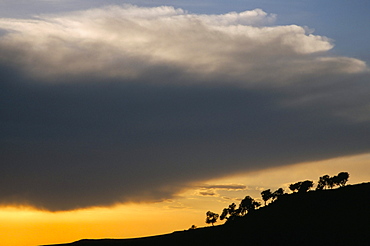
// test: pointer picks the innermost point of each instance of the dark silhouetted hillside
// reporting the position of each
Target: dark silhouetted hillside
(327, 217)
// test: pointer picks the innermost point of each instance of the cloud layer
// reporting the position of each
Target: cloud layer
(130, 104)
(129, 41)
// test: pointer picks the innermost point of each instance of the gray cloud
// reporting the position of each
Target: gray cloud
(225, 187)
(84, 123)
(211, 190)
(207, 193)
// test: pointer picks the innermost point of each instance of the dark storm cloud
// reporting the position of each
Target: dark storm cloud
(83, 144)
(88, 120)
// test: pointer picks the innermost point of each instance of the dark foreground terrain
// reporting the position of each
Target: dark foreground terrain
(328, 217)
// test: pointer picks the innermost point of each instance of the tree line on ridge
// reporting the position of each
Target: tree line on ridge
(248, 204)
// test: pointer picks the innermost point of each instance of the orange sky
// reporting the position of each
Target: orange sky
(122, 103)
(24, 226)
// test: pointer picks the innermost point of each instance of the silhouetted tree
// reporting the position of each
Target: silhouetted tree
(231, 211)
(266, 195)
(224, 214)
(248, 204)
(295, 187)
(256, 205)
(301, 187)
(330, 183)
(211, 217)
(323, 182)
(193, 227)
(305, 186)
(326, 181)
(341, 179)
(276, 194)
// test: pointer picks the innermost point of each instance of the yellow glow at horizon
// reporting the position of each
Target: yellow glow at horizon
(27, 227)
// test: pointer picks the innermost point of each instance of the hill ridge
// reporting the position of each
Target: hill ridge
(326, 217)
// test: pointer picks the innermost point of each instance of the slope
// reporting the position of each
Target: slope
(328, 217)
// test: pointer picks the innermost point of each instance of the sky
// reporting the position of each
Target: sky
(117, 116)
